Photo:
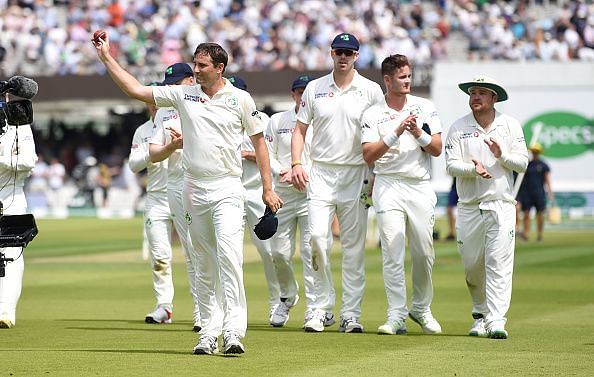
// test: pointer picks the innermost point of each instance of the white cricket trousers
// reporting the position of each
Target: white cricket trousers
(175, 198)
(337, 189)
(215, 219)
(291, 216)
(11, 284)
(158, 225)
(486, 241)
(254, 210)
(405, 209)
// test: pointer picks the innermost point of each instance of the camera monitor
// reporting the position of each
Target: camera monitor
(17, 230)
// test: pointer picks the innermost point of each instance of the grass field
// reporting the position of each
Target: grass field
(86, 291)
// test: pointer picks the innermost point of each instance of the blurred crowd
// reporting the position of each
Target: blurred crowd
(84, 168)
(45, 37)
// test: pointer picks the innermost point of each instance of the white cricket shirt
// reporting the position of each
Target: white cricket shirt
(166, 118)
(279, 134)
(465, 141)
(212, 127)
(335, 116)
(139, 158)
(405, 158)
(251, 174)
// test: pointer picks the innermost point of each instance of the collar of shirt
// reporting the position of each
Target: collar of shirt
(356, 83)
(227, 88)
(497, 122)
(389, 110)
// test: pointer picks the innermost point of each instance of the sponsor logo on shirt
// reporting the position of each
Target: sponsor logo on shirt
(468, 135)
(169, 117)
(324, 95)
(257, 114)
(285, 131)
(190, 97)
(268, 138)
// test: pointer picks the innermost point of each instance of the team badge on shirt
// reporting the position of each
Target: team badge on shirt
(231, 102)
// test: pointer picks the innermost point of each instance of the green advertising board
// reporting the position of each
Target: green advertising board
(563, 134)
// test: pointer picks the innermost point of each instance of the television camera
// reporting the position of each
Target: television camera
(19, 111)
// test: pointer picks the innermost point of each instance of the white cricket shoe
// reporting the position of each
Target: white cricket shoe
(6, 324)
(497, 333)
(272, 310)
(316, 322)
(478, 328)
(207, 345)
(232, 343)
(159, 315)
(392, 328)
(427, 322)
(496, 329)
(329, 319)
(281, 313)
(350, 325)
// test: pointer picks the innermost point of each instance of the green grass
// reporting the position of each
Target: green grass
(86, 291)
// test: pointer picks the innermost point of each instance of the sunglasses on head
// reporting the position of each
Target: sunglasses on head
(344, 52)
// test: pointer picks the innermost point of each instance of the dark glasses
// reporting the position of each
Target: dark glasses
(344, 52)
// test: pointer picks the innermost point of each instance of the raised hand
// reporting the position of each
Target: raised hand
(100, 40)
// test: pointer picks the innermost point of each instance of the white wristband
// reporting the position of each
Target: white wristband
(424, 139)
(390, 139)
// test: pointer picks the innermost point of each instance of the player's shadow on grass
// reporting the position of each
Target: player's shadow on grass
(268, 327)
(148, 328)
(184, 326)
(265, 327)
(160, 352)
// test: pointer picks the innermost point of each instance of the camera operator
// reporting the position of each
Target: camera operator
(17, 159)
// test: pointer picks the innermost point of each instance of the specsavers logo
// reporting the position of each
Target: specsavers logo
(563, 134)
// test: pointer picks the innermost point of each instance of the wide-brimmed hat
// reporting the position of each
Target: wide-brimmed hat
(536, 148)
(487, 83)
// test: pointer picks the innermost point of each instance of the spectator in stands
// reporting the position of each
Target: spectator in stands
(50, 39)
